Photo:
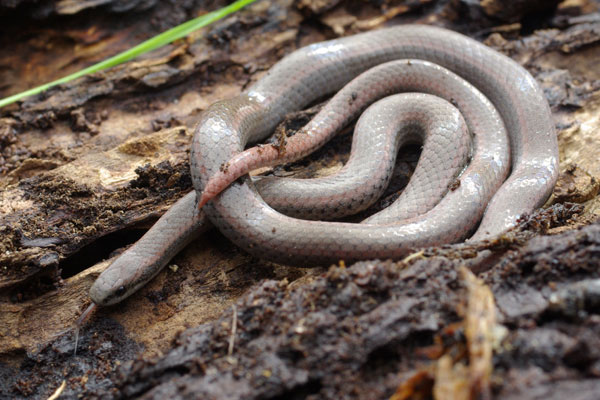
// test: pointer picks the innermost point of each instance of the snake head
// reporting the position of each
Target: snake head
(114, 284)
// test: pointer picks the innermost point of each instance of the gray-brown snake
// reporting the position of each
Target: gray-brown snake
(431, 60)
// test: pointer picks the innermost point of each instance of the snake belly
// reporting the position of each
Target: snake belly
(503, 107)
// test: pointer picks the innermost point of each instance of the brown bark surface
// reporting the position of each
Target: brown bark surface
(87, 167)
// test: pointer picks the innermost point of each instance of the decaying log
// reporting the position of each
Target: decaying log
(88, 166)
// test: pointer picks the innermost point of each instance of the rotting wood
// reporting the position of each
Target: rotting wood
(55, 151)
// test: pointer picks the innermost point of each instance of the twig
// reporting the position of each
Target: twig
(58, 391)
(233, 330)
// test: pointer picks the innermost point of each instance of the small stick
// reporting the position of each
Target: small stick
(233, 329)
(58, 391)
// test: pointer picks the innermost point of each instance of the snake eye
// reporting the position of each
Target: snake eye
(120, 290)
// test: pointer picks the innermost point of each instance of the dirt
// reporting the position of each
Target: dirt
(87, 167)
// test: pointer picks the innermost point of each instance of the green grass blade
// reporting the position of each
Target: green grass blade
(157, 41)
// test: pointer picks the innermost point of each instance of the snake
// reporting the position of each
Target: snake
(474, 185)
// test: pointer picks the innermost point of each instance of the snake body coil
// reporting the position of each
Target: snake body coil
(504, 109)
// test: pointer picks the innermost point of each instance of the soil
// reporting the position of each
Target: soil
(88, 166)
